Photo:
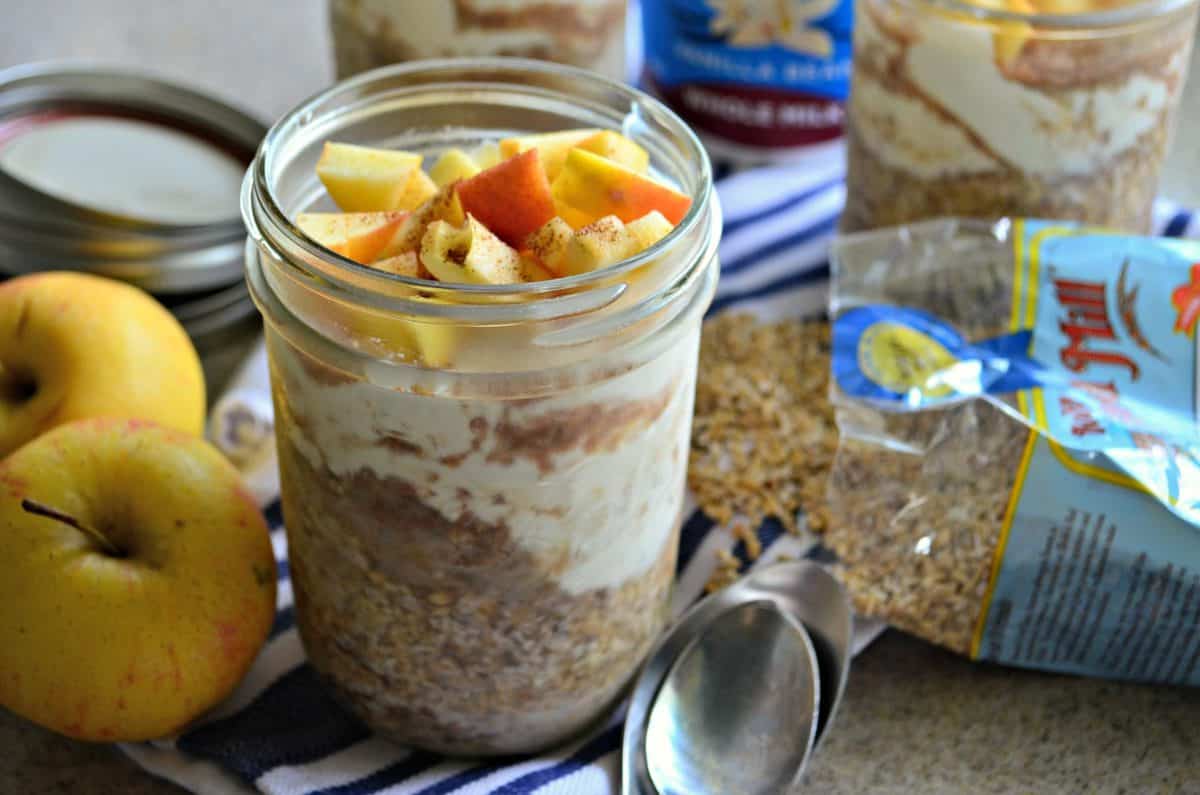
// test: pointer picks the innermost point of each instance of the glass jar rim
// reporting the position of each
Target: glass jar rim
(1131, 13)
(260, 207)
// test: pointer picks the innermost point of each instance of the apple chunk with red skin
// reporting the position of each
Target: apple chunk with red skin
(356, 236)
(142, 583)
(590, 187)
(512, 199)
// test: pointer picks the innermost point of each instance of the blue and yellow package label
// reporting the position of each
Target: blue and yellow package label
(1097, 566)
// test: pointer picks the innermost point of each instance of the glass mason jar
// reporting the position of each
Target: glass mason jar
(372, 33)
(957, 109)
(482, 485)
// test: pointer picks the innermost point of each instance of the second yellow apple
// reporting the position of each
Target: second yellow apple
(73, 346)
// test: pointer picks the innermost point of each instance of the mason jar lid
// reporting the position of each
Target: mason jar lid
(121, 174)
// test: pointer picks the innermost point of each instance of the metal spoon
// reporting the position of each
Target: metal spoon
(680, 715)
(708, 731)
(808, 592)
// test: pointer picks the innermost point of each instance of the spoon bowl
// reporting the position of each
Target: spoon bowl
(707, 732)
(807, 592)
(804, 597)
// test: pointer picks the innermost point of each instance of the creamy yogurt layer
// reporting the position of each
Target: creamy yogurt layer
(583, 32)
(955, 113)
(589, 481)
(935, 98)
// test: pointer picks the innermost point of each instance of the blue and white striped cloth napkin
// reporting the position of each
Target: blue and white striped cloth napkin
(281, 733)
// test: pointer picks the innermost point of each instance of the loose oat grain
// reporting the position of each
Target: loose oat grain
(917, 500)
(763, 434)
(914, 532)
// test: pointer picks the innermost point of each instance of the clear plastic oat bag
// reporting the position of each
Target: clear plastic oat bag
(1018, 477)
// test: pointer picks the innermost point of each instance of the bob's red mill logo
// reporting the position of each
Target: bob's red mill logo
(1085, 322)
(1099, 321)
(1186, 300)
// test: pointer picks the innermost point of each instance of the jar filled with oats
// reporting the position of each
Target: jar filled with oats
(586, 33)
(1059, 109)
(482, 483)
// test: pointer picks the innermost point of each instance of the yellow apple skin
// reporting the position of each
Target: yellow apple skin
(420, 189)
(126, 648)
(486, 155)
(453, 165)
(619, 149)
(590, 187)
(356, 236)
(362, 179)
(552, 147)
(74, 345)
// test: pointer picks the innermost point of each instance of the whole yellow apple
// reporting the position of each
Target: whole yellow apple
(74, 345)
(140, 581)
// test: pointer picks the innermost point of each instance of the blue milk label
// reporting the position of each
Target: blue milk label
(771, 74)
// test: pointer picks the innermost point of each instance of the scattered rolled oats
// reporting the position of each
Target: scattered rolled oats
(914, 534)
(726, 573)
(763, 435)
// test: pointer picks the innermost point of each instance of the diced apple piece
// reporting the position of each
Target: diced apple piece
(532, 270)
(1051, 6)
(442, 206)
(598, 245)
(591, 187)
(553, 147)
(432, 344)
(549, 243)
(420, 189)
(364, 179)
(469, 254)
(649, 229)
(1010, 37)
(356, 236)
(435, 342)
(486, 155)
(619, 149)
(453, 165)
(512, 199)
(406, 264)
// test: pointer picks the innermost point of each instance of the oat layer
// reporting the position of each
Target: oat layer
(1120, 196)
(442, 633)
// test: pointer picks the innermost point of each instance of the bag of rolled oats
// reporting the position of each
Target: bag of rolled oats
(1018, 476)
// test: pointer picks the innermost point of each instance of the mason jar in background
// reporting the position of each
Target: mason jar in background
(83, 187)
(1183, 163)
(482, 485)
(962, 110)
(759, 80)
(586, 33)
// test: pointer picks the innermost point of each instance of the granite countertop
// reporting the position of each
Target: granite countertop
(916, 719)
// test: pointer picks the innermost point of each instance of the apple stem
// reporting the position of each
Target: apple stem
(40, 509)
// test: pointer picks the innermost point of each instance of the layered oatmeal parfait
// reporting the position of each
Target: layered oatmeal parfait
(371, 33)
(483, 283)
(1045, 108)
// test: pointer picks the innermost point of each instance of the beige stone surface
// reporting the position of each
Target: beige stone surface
(916, 719)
